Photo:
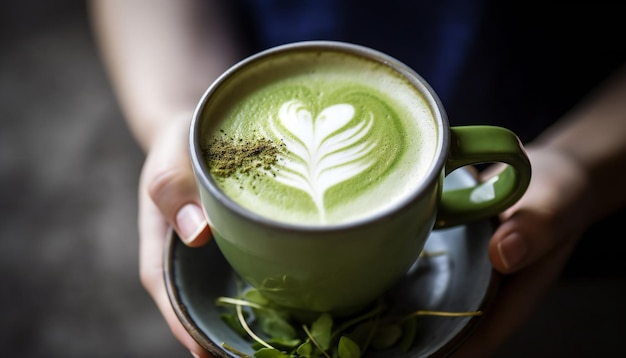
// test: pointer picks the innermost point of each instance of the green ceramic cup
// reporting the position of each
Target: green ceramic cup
(341, 267)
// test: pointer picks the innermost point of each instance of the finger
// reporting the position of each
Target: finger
(152, 234)
(171, 184)
(521, 239)
(550, 211)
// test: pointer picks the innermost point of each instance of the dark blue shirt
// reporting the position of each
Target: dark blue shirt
(440, 32)
(490, 61)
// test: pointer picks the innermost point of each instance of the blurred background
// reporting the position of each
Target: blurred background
(69, 283)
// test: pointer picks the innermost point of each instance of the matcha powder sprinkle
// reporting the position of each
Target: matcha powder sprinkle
(228, 157)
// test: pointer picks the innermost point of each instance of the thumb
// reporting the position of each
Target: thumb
(171, 185)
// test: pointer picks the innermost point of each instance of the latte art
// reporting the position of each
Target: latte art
(350, 139)
(322, 151)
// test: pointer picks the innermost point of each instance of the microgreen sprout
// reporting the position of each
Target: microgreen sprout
(278, 334)
(326, 336)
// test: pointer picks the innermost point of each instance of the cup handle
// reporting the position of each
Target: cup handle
(476, 145)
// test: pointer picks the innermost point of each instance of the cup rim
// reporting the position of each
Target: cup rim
(434, 174)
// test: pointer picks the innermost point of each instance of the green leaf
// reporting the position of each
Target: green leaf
(232, 321)
(363, 333)
(271, 353)
(321, 330)
(386, 336)
(348, 349)
(376, 311)
(253, 295)
(305, 349)
(274, 323)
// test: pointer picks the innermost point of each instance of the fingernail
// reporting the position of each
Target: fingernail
(194, 354)
(512, 250)
(190, 222)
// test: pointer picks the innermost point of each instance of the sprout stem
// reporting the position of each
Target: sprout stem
(443, 314)
(237, 302)
(314, 341)
(245, 326)
(235, 351)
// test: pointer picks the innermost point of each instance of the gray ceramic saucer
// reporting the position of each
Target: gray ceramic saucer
(458, 278)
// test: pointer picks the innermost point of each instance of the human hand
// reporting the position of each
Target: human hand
(532, 245)
(168, 198)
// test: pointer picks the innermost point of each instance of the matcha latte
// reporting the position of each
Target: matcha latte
(318, 138)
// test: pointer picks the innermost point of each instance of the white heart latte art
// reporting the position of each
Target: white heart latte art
(322, 151)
